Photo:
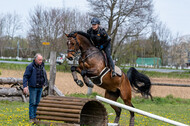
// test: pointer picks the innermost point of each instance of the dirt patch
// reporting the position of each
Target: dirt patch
(65, 83)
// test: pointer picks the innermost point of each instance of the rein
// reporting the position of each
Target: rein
(83, 60)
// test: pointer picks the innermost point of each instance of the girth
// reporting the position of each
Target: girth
(98, 79)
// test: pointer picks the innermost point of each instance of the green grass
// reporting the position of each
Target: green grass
(16, 113)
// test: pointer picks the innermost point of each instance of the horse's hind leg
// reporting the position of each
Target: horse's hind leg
(150, 96)
(132, 114)
(127, 100)
(114, 96)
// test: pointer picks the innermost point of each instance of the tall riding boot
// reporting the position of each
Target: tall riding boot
(112, 66)
(113, 71)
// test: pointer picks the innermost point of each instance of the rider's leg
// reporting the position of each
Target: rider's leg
(107, 50)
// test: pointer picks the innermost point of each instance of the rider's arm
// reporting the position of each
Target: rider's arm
(103, 34)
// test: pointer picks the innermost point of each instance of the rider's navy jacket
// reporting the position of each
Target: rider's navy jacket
(99, 37)
(30, 75)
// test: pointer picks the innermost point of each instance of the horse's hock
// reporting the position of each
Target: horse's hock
(79, 111)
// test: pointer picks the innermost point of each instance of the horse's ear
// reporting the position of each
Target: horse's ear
(66, 34)
(75, 35)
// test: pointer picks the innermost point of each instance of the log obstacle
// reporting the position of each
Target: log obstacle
(71, 110)
(13, 92)
(10, 80)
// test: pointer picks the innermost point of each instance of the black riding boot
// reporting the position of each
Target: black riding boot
(112, 66)
(107, 50)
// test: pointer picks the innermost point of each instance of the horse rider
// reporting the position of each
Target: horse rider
(102, 41)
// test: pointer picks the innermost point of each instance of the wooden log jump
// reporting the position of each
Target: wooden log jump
(10, 80)
(78, 111)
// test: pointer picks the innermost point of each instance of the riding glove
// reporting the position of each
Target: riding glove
(101, 47)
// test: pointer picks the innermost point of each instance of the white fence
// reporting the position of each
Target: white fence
(17, 58)
(139, 111)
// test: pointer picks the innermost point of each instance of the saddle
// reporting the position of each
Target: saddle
(98, 79)
(117, 69)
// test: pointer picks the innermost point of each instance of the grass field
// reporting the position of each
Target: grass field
(16, 113)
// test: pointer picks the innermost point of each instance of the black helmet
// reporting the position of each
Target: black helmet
(95, 21)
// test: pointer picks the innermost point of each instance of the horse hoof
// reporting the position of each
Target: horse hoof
(80, 83)
(132, 121)
(90, 85)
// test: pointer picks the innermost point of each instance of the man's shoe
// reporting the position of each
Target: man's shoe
(114, 74)
(32, 120)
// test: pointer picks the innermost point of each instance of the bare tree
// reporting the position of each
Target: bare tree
(1, 33)
(179, 51)
(45, 26)
(129, 16)
(10, 24)
(50, 24)
(2, 25)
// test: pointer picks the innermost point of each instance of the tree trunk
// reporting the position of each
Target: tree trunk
(52, 72)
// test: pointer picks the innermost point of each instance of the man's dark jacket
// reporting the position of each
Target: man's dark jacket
(30, 75)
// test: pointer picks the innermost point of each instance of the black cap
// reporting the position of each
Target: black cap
(95, 21)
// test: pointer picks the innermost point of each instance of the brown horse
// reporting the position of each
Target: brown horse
(92, 65)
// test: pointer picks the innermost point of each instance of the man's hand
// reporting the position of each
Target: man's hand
(26, 91)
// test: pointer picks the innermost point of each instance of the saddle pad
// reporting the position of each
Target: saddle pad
(118, 71)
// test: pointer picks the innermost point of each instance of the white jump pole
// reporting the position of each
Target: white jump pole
(139, 111)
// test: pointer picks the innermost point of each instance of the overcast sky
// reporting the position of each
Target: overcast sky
(174, 13)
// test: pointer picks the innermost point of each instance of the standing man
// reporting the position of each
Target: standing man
(34, 79)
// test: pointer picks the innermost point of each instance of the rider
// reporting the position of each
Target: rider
(102, 41)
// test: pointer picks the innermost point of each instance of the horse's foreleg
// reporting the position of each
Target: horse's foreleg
(114, 96)
(75, 77)
(88, 82)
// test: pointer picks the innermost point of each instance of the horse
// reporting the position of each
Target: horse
(92, 66)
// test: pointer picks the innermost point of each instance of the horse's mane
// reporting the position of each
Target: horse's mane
(81, 33)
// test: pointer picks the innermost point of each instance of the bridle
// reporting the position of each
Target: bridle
(75, 50)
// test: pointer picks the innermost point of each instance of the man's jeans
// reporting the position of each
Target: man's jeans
(34, 99)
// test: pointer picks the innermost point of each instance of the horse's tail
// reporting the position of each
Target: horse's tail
(139, 82)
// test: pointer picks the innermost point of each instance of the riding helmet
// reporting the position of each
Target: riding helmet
(95, 21)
